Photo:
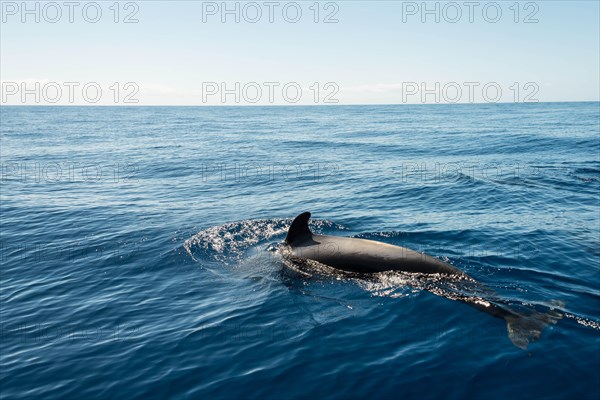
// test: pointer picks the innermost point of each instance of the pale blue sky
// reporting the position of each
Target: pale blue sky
(371, 55)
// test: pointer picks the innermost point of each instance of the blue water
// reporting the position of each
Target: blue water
(141, 257)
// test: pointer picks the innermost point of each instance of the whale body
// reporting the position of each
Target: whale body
(360, 255)
(369, 256)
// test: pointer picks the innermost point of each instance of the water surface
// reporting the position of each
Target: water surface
(140, 250)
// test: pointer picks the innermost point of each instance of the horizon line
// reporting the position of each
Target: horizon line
(297, 105)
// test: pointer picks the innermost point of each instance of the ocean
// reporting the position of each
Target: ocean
(141, 250)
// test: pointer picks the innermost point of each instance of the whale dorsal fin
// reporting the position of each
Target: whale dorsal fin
(299, 228)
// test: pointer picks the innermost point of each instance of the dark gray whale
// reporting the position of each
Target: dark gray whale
(368, 256)
(360, 255)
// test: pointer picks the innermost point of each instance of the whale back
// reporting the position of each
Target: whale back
(359, 255)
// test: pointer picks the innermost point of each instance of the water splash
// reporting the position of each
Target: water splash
(230, 243)
(585, 322)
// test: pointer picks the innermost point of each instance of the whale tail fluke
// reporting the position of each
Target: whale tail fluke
(526, 329)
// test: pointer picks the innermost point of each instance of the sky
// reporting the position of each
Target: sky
(298, 53)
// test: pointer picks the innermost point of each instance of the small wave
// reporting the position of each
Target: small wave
(401, 284)
(585, 322)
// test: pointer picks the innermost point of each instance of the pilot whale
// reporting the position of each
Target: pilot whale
(360, 255)
(369, 256)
